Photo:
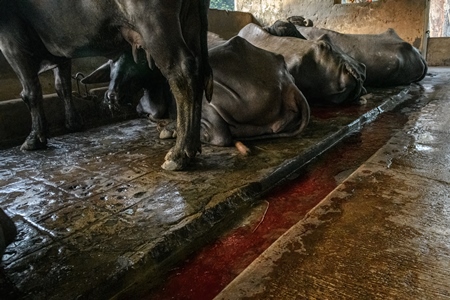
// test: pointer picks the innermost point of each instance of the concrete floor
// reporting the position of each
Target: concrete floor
(382, 234)
(97, 215)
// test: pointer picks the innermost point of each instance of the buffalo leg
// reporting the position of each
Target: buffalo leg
(26, 68)
(186, 88)
(32, 96)
(63, 86)
(181, 65)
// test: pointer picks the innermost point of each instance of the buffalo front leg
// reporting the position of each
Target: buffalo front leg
(187, 89)
(32, 96)
(175, 39)
(19, 49)
(27, 70)
(37, 139)
(63, 86)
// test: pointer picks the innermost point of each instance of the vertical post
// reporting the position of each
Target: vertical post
(425, 33)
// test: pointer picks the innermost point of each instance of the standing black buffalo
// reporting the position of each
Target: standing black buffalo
(36, 36)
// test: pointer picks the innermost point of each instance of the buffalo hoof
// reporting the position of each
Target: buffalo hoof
(167, 134)
(174, 163)
(170, 165)
(167, 129)
(34, 142)
(8, 231)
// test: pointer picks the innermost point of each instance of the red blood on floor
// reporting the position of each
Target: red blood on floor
(203, 275)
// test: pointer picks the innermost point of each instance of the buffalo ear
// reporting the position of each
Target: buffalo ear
(100, 75)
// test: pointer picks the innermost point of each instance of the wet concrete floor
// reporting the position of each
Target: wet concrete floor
(381, 234)
(205, 273)
(97, 215)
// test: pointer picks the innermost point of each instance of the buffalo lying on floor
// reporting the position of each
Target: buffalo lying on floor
(38, 36)
(254, 96)
(321, 71)
(300, 21)
(281, 28)
(127, 78)
(389, 60)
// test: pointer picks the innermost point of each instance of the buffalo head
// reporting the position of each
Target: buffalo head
(127, 80)
(300, 21)
(322, 72)
(330, 75)
(281, 28)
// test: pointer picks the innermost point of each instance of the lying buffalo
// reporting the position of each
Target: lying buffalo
(389, 60)
(282, 28)
(40, 35)
(321, 71)
(300, 21)
(254, 96)
(128, 79)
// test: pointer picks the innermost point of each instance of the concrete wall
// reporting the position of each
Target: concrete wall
(438, 53)
(10, 87)
(228, 23)
(407, 17)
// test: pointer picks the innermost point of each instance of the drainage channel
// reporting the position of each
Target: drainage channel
(205, 273)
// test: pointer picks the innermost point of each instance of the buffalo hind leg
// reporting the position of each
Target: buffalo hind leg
(63, 86)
